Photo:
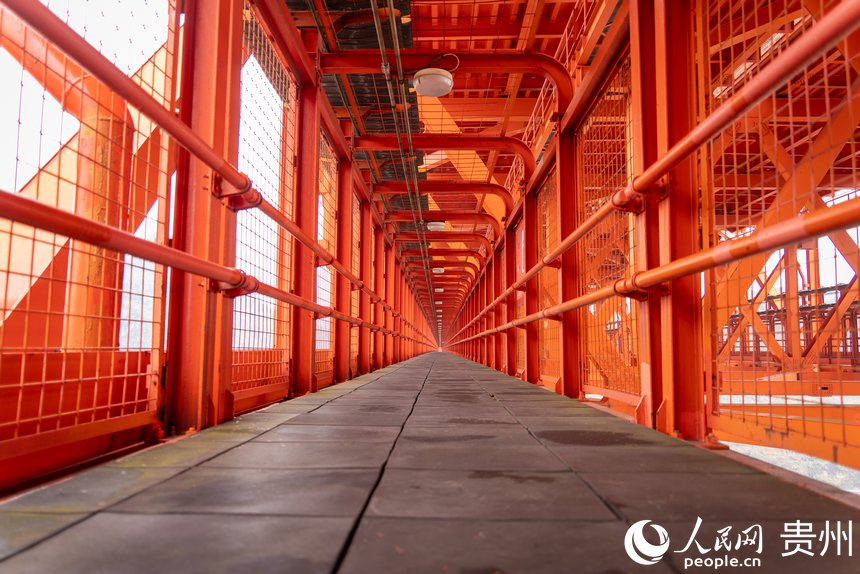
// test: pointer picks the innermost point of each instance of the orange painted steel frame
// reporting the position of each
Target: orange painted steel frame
(659, 207)
(196, 392)
(665, 201)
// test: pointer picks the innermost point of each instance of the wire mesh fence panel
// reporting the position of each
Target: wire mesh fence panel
(267, 137)
(549, 289)
(326, 226)
(355, 294)
(81, 327)
(782, 327)
(611, 366)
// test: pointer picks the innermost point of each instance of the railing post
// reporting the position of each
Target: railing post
(305, 211)
(532, 299)
(497, 312)
(683, 379)
(200, 332)
(379, 289)
(343, 237)
(365, 270)
(485, 298)
(568, 208)
(397, 324)
(511, 302)
(389, 298)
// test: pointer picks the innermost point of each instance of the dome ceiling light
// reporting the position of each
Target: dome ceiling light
(434, 82)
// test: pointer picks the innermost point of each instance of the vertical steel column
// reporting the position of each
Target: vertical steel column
(200, 333)
(487, 350)
(365, 270)
(497, 313)
(379, 289)
(305, 212)
(568, 208)
(479, 306)
(683, 382)
(646, 255)
(343, 237)
(473, 344)
(532, 301)
(397, 324)
(491, 315)
(511, 302)
(389, 298)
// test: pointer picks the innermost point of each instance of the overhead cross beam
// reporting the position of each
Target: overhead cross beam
(449, 187)
(442, 252)
(445, 264)
(433, 142)
(447, 236)
(450, 216)
(510, 62)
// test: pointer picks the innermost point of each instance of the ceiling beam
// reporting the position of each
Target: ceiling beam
(433, 142)
(507, 61)
(450, 216)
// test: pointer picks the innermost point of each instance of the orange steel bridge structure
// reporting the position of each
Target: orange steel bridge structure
(208, 207)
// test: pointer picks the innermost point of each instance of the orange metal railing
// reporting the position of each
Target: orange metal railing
(86, 234)
(777, 158)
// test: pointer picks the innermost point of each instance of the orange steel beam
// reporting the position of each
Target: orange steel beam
(530, 249)
(200, 344)
(499, 343)
(103, 69)
(224, 278)
(443, 252)
(370, 62)
(509, 296)
(568, 208)
(444, 263)
(525, 39)
(305, 205)
(41, 19)
(451, 216)
(390, 273)
(366, 272)
(433, 142)
(72, 44)
(379, 286)
(343, 287)
(782, 234)
(446, 236)
(827, 32)
(437, 187)
(679, 225)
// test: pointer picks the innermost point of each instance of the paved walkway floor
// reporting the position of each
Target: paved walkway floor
(435, 464)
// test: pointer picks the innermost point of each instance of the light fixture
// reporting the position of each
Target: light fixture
(438, 270)
(434, 82)
(438, 302)
(435, 226)
(438, 289)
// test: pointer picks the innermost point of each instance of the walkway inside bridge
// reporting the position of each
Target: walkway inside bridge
(436, 464)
